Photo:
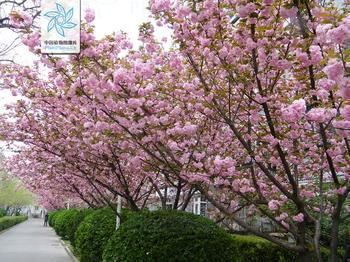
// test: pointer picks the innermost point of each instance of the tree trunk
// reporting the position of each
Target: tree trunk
(305, 256)
(132, 205)
(178, 194)
(334, 241)
(317, 240)
(335, 229)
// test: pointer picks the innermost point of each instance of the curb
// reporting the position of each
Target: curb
(69, 252)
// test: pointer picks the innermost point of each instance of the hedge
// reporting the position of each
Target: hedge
(52, 217)
(66, 222)
(7, 222)
(256, 249)
(169, 236)
(93, 234)
(157, 236)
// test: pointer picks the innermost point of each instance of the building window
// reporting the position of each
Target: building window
(199, 206)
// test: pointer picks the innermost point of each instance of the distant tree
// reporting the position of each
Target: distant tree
(12, 194)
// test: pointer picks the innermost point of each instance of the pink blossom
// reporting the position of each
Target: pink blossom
(342, 127)
(88, 124)
(307, 194)
(89, 15)
(340, 34)
(236, 185)
(18, 20)
(299, 218)
(345, 112)
(322, 33)
(295, 111)
(274, 205)
(223, 53)
(160, 5)
(341, 190)
(302, 57)
(334, 70)
(316, 54)
(173, 145)
(27, 19)
(135, 102)
(32, 40)
(218, 162)
(268, 2)
(289, 12)
(244, 186)
(322, 94)
(282, 216)
(345, 88)
(283, 64)
(189, 129)
(15, 20)
(286, 225)
(183, 11)
(316, 209)
(317, 115)
(245, 10)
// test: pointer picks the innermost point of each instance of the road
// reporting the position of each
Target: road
(31, 242)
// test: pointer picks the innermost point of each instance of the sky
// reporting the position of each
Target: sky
(114, 15)
(111, 16)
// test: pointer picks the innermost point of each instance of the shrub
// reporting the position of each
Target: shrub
(93, 234)
(60, 222)
(52, 217)
(256, 249)
(169, 236)
(2, 212)
(77, 219)
(7, 222)
(66, 222)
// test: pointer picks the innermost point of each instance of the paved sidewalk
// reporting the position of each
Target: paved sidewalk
(31, 242)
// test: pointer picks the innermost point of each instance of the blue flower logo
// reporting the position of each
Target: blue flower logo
(60, 19)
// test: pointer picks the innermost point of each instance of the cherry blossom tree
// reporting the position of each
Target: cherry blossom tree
(76, 127)
(276, 75)
(250, 108)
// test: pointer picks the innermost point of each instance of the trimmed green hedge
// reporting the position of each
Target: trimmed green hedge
(52, 217)
(60, 222)
(156, 236)
(256, 249)
(66, 222)
(7, 222)
(169, 236)
(93, 233)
